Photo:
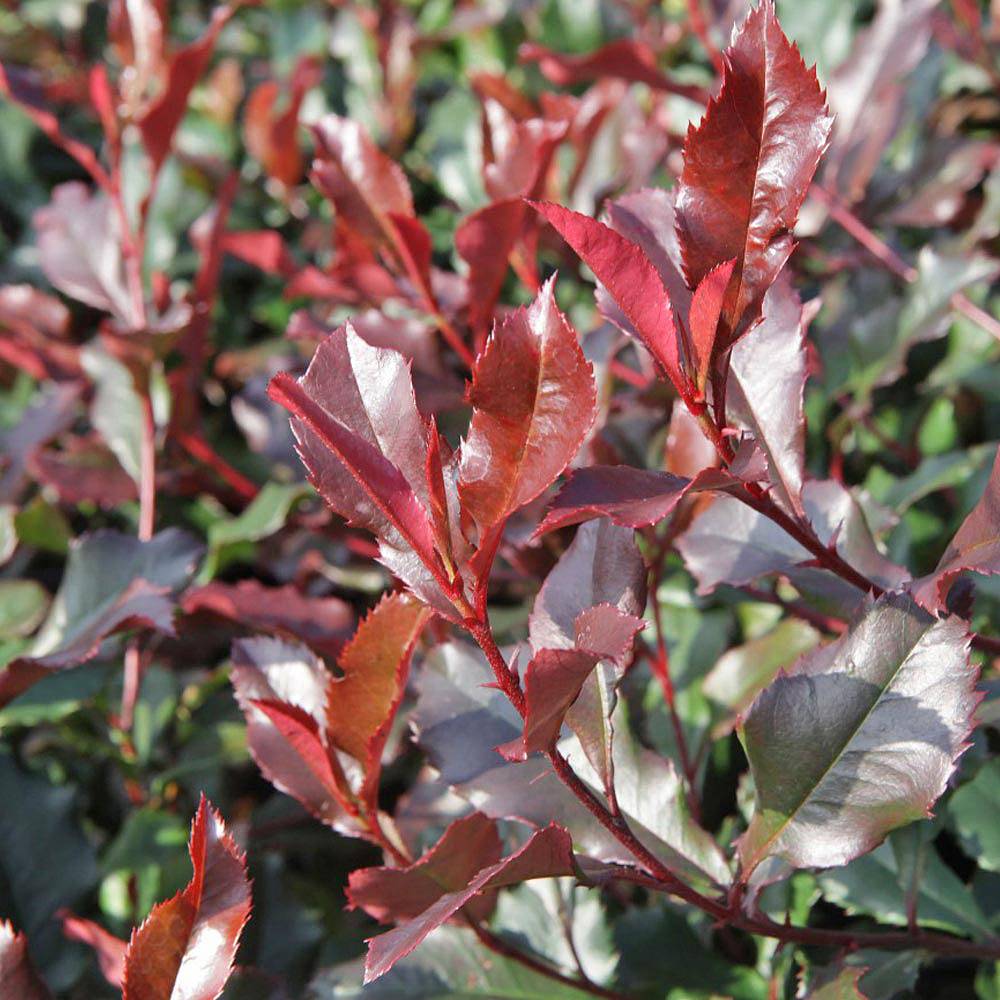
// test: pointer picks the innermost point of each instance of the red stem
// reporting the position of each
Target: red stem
(197, 447)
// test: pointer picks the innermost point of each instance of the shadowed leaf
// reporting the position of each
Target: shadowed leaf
(18, 978)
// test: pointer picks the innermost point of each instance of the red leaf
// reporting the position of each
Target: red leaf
(396, 894)
(413, 244)
(18, 978)
(362, 704)
(364, 184)
(633, 498)
(486, 239)
(534, 400)
(160, 122)
(548, 853)
(630, 278)
(703, 320)
(109, 949)
(272, 138)
(85, 470)
(748, 165)
(552, 683)
(626, 59)
(282, 689)
(321, 622)
(975, 547)
(362, 440)
(261, 248)
(187, 944)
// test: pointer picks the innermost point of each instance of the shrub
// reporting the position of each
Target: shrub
(608, 671)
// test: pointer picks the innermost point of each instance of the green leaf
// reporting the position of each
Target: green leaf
(264, 516)
(45, 860)
(43, 526)
(8, 532)
(859, 738)
(116, 410)
(744, 671)
(450, 963)
(875, 885)
(23, 604)
(975, 813)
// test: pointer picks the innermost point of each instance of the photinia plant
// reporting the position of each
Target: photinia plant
(605, 641)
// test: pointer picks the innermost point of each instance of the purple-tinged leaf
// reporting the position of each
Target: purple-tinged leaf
(187, 945)
(632, 498)
(282, 689)
(748, 166)
(731, 543)
(548, 853)
(629, 277)
(112, 582)
(533, 399)
(83, 471)
(391, 895)
(80, 250)
(975, 547)
(602, 566)
(860, 737)
(608, 632)
(323, 623)
(18, 978)
(460, 718)
(767, 378)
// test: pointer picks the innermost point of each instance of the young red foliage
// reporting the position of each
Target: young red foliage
(533, 400)
(747, 168)
(19, 979)
(631, 280)
(547, 853)
(392, 895)
(110, 950)
(187, 944)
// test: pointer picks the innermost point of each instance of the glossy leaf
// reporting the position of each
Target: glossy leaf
(187, 944)
(364, 445)
(748, 165)
(533, 400)
(629, 277)
(859, 737)
(282, 689)
(975, 547)
(601, 566)
(395, 894)
(632, 498)
(765, 392)
(703, 319)
(375, 663)
(18, 976)
(548, 852)
(112, 582)
(460, 719)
